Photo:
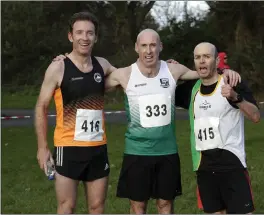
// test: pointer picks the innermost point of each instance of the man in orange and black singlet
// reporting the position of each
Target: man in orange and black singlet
(77, 84)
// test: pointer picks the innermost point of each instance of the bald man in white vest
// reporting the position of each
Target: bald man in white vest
(151, 164)
(217, 135)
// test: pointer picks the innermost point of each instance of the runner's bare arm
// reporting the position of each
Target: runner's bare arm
(180, 71)
(250, 111)
(51, 80)
(114, 79)
(107, 67)
(248, 104)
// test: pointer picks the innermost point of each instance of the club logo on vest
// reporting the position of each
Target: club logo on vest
(205, 105)
(97, 77)
(164, 82)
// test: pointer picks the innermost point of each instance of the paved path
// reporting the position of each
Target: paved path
(110, 116)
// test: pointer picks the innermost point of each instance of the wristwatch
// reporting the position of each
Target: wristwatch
(239, 99)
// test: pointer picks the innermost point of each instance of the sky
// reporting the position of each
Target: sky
(201, 4)
(174, 9)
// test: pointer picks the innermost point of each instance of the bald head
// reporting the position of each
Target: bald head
(209, 47)
(148, 33)
(206, 60)
(148, 46)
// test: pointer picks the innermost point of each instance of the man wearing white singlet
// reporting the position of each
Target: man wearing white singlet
(151, 164)
(217, 135)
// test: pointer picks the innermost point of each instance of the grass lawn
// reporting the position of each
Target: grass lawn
(26, 190)
(26, 99)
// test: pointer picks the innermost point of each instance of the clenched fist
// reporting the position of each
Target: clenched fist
(228, 92)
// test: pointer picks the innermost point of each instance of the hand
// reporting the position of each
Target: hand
(228, 92)
(43, 156)
(60, 57)
(172, 61)
(231, 77)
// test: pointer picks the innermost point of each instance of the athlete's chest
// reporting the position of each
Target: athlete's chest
(151, 86)
(213, 105)
(153, 98)
(83, 83)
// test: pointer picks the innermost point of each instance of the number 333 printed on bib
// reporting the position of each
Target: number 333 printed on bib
(207, 135)
(155, 110)
(88, 125)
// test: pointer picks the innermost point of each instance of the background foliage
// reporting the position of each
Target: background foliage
(34, 32)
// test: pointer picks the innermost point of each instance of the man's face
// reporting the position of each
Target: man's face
(205, 61)
(83, 37)
(148, 47)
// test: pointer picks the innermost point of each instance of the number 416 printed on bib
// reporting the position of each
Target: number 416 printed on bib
(88, 125)
(94, 126)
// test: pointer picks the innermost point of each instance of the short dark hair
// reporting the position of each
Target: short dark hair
(84, 16)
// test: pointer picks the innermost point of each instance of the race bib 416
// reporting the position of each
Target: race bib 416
(88, 125)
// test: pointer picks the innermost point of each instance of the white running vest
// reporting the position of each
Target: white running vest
(150, 108)
(217, 124)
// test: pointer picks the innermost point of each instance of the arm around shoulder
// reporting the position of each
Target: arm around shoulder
(181, 72)
(114, 79)
(107, 66)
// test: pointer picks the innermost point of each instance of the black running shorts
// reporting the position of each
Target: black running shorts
(145, 177)
(82, 163)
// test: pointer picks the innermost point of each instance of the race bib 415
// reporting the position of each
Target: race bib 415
(207, 135)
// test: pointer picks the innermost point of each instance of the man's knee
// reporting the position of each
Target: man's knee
(138, 207)
(164, 206)
(96, 206)
(66, 192)
(66, 207)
